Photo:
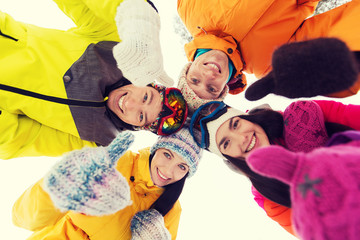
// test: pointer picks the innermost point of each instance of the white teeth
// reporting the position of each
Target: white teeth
(121, 102)
(162, 176)
(213, 66)
(252, 144)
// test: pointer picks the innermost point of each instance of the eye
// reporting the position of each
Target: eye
(145, 97)
(236, 124)
(226, 144)
(194, 80)
(182, 167)
(141, 117)
(167, 155)
(211, 89)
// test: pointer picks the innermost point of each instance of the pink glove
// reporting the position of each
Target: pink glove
(304, 126)
(324, 187)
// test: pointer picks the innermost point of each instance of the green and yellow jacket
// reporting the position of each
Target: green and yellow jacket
(54, 83)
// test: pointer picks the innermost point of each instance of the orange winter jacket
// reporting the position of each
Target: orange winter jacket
(249, 31)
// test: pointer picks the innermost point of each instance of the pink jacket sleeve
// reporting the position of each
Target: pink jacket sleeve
(337, 112)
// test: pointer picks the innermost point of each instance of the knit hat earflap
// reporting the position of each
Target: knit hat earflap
(193, 101)
(184, 145)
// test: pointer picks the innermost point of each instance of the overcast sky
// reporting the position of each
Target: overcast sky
(217, 203)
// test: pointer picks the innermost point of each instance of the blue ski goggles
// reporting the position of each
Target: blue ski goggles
(204, 114)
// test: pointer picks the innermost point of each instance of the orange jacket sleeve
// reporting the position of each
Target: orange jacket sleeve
(279, 214)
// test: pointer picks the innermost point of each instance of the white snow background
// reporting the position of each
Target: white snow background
(216, 203)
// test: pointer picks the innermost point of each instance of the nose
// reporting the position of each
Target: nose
(169, 170)
(208, 74)
(133, 103)
(241, 139)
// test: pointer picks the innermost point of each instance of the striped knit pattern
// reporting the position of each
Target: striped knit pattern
(184, 145)
(149, 225)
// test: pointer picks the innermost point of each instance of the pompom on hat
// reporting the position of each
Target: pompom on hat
(184, 145)
(193, 101)
(206, 121)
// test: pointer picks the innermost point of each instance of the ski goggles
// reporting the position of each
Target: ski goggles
(204, 114)
(174, 112)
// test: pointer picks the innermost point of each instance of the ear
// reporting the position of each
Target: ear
(260, 88)
(273, 162)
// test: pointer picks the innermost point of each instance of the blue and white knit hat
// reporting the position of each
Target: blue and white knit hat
(182, 143)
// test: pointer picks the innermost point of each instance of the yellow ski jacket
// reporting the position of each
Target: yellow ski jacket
(73, 66)
(35, 211)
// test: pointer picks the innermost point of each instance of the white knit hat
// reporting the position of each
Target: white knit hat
(214, 125)
(193, 101)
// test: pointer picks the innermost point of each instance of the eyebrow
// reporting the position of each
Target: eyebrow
(231, 123)
(151, 97)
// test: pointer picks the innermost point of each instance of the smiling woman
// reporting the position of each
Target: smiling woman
(304, 126)
(167, 167)
(237, 137)
(111, 193)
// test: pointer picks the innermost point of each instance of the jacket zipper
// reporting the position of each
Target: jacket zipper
(70, 102)
(7, 36)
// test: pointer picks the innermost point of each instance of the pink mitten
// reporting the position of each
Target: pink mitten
(324, 187)
(304, 126)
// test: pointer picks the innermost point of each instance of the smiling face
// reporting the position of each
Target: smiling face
(138, 106)
(167, 167)
(237, 137)
(208, 74)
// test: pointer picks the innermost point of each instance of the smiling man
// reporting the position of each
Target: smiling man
(240, 37)
(63, 90)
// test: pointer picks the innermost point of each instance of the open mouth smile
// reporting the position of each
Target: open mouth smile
(214, 66)
(162, 176)
(251, 144)
(121, 102)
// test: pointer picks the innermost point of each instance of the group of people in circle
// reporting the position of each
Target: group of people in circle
(79, 93)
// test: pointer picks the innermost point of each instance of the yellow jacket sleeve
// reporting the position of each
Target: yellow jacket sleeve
(22, 136)
(92, 17)
(34, 209)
